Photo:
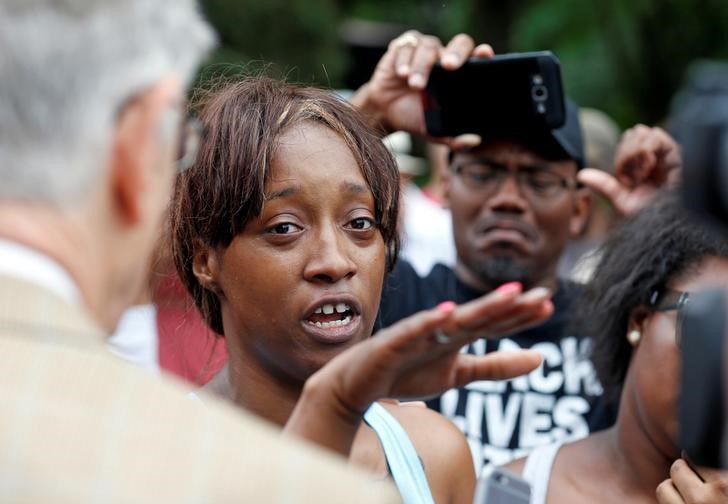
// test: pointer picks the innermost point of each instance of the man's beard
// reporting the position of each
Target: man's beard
(501, 269)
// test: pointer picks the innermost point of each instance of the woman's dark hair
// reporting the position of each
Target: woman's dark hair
(647, 252)
(215, 199)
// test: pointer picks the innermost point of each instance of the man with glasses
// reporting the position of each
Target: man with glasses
(515, 203)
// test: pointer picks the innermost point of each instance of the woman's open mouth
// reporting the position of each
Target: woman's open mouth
(329, 315)
(334, 321)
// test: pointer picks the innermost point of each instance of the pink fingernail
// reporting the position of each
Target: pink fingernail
(446, 306)
(509, 288)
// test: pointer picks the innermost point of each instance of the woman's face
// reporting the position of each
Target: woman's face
(655, 367)
(302, 281)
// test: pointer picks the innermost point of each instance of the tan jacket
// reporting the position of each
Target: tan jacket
(77, 424)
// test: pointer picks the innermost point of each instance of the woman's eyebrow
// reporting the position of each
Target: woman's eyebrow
(282, 193)
(353, 187)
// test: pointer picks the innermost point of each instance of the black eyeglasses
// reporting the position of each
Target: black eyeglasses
(537, 183)
(668, 300)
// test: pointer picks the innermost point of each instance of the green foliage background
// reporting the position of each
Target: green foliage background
(626, 57)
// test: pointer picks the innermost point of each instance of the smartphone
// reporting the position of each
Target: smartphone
(701, 409)
(502, 487)
(509, 93)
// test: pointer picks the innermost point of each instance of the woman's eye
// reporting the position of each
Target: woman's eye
(284, 228)
(362, 223)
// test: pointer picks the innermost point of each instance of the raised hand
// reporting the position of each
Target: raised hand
(391, 98)
(647, 159)
(415, 358)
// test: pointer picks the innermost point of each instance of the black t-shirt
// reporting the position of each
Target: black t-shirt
(561, 400)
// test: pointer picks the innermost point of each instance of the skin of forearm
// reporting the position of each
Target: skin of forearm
(321, 418)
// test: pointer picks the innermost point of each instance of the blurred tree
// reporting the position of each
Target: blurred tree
(298, 38)
(626, 57)
(485, 20)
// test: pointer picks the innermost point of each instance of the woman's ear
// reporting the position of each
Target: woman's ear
(206, 268)
(636, 325)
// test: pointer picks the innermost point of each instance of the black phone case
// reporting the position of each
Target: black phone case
(701, 411)
(511, 93)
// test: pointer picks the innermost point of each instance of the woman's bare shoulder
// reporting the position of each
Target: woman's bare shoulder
(443, 449)
(422, 423)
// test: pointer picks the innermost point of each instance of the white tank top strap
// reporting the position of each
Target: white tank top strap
(537, 470)
(404, 464)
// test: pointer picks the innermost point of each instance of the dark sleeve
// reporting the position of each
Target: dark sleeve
(401, 295)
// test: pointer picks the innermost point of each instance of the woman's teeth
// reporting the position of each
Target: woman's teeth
(331, 315)
(328, 309)
(334, 323)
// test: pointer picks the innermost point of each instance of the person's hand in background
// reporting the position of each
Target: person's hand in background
(647, 160)
(392, 100)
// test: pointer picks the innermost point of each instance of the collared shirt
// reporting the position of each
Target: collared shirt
(27, 264)
(136, 338)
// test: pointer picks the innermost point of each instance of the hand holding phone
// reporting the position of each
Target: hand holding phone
(391, 98)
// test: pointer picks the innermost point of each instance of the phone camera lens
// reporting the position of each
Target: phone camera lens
(539, 93)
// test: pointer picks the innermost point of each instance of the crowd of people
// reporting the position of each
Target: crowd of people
(278, 208)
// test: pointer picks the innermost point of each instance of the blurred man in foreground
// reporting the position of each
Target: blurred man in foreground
(91, 108)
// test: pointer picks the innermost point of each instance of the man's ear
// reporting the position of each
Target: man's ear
(580, 211)
(138, 148)
(206, 268)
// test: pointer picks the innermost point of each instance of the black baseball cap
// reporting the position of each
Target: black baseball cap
(565, 142)
(569, 137)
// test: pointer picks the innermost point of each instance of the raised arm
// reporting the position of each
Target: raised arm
(647, 160)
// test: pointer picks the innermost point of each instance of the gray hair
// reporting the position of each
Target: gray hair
(66, 69)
